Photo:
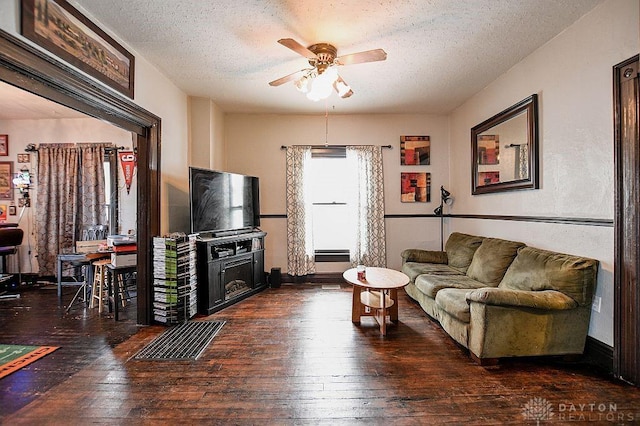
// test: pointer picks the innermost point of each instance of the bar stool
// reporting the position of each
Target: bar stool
(10, 239)
(117, 282)
(99, 288)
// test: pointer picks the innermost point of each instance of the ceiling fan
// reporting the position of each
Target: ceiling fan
(319, 80)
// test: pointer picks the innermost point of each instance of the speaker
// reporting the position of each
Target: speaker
(275, 278)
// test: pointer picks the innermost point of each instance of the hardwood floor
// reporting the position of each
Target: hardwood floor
(36, 319)
(292, 356)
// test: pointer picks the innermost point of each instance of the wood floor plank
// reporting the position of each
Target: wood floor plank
(292, 356)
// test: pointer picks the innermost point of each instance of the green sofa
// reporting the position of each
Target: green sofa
(501, 298)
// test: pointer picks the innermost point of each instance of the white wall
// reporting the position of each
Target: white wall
(155, 93)
(572, 74)
(76, 130)
(206, 134)
(253, 147)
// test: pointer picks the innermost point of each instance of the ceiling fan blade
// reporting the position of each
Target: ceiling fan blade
(297, 47)
(360, 57)
(286, 78)
(343, 89)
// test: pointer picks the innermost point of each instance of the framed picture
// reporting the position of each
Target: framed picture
(12, 210)
(3, 213)
(4, 145)
(415, 187)
(415, 150)
(64, 31)
(24, 158)
(487, 178)
(489, 149)
(6, 176)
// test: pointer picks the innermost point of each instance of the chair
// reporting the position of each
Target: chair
(94, 232)
(84, 281)
(10, 239)
(99, 288)
(88, 233)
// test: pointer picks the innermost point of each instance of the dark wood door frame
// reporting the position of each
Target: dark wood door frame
(30, 69)
(627, 222)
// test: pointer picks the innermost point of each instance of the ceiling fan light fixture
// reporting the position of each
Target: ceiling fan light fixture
(322, 79)
(322, 84)
(319, 91)
(343, 89)
(302, 84)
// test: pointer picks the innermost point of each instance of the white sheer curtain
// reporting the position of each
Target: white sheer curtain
(300, 250)
(369, 246)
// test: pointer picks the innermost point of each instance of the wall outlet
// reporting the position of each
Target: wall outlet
(597, 303)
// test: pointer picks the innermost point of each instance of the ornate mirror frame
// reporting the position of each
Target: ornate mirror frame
(519, 125)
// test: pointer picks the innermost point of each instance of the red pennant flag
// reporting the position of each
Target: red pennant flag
(128, 161)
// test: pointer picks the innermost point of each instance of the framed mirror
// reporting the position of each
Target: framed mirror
(505, 150)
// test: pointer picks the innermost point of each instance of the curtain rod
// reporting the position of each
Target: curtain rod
(33, 148)
(333, 146)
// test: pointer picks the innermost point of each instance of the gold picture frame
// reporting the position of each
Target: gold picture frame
(6, 180)
(4, 145)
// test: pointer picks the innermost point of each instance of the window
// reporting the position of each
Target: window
(106, 165)
(331, 186)
(110, 167)
(359, 179)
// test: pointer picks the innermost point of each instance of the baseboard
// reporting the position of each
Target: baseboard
(322, 277)
(599, 355)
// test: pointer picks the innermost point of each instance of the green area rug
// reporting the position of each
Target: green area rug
(14, 357)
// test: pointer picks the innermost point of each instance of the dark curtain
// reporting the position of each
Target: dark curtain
(70, 196)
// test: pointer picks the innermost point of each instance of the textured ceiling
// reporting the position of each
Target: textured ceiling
(440, 52)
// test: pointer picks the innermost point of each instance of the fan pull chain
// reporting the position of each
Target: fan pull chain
(326, 124)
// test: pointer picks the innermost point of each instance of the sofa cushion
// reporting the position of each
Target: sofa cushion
(423, 256)
(454, 302)
(537, 269)
(545, 299)
(460, 249)
(414, 269)
(432, 284)
(492, 259)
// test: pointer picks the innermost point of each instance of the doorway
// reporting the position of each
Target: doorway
(27, 68)
(627, 222)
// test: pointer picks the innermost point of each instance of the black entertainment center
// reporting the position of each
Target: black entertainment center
(225, 213)
(230, 268)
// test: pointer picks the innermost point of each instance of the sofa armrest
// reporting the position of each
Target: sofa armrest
(546, 299)
(424, 256)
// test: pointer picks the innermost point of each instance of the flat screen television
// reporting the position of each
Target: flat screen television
(222, 201)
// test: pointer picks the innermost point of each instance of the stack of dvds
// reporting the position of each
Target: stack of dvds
(174, 278)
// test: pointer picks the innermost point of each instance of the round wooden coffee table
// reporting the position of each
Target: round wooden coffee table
(377, 295)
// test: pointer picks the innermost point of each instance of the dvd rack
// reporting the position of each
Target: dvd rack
(174, 278)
